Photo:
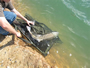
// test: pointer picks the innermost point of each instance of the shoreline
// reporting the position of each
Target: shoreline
(55, 65)
(17, 54)
(14, 53)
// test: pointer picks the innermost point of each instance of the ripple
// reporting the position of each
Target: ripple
(71, 30)
(72, 44)
(86, 3)
(48, 6)
(48, 11)
(79, 14)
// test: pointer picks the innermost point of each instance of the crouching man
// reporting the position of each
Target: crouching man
(7, 18)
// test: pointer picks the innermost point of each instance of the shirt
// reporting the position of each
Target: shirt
(4, 5)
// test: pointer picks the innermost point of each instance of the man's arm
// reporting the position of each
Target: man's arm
(22, 17)
(6, 26)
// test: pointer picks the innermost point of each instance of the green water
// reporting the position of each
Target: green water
(71, 19)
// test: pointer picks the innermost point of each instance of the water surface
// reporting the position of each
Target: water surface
(71, 18)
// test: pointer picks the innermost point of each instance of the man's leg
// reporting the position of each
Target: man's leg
(10, 17)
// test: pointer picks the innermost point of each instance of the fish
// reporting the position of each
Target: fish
(40, 38)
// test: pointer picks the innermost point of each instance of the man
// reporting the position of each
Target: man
(7, 18)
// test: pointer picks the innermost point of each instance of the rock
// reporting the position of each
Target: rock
(8, 66)
(19, 56)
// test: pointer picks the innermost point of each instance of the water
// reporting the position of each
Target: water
(71, 18)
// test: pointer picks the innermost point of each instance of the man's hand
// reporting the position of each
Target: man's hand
(30, 22)
(18, 34)
(22, 17)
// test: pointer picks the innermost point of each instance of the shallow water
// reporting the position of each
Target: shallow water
(71, 19)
